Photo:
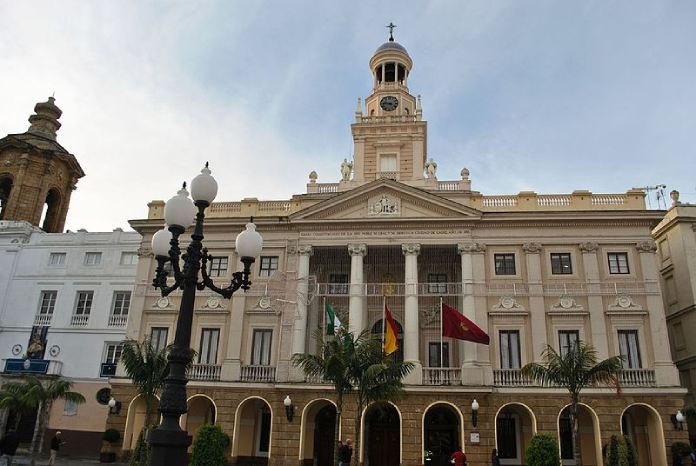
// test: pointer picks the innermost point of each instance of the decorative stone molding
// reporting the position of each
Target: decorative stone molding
(566, 303)
(145, 251)
(411, 249)
(357, 249)
(383, 205)
(163, 303)
(531, 248)
(471, 248)
(646, 246)
(624, 303)
(430, 317)
(507, 303)
(302, 250)
(588, 246)
(214, 303)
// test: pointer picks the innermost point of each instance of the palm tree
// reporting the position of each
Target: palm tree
(575, 370)
(354, 364)
(32, 393)
(13, 400)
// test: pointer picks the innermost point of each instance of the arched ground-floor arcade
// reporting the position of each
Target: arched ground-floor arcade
(434, 420)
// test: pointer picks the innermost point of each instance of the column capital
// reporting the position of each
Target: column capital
(302, 250)
(357, 249)
(411, 249)
(588, 246)
(646, 246)
(471, 248)
(531, 248)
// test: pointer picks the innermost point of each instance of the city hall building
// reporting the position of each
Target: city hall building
(530, 269)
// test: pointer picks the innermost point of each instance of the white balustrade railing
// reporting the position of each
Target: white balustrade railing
(43, 319)
(500, 201)
(510, 378)
(442, 376)
(637, 377)
(118, 320)
(448, 185)
(608, 199)
(315, 379)
(272, 206)
(79, 320)
(258, 374)
(223, 207)
(327, 187)
(388, 175)
(553, 200)
(204, 372)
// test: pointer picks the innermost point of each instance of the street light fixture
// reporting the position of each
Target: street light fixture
(289, 408)
(474, 412)
(169, 443)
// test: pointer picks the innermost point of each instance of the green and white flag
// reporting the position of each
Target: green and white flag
(333, 324)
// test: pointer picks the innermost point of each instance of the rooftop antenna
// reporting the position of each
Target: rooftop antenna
(659, 190)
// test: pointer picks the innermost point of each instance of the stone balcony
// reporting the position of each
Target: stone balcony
(204, 372)
(256, 373)
(627, 378)
(442, 376)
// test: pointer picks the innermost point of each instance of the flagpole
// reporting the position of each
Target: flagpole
(323, 319)
(384, 319)
(441, 351)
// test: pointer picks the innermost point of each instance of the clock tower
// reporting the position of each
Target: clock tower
(390, 137)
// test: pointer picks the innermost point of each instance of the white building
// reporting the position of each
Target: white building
(64, 304)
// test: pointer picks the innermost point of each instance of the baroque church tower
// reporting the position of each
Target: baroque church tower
(37, 174)
(390, 137)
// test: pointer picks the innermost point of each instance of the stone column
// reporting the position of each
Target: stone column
(299, 335)
(666, 373)
(599, 338)
(356, 312)
(475, 358)
(537, 311)
(411, 328)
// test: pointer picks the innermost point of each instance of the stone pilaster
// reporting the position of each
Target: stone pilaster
(299, 336)
(411, 328)
(537, 311)
(598, 327)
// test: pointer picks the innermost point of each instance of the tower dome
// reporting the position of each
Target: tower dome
(390, 64)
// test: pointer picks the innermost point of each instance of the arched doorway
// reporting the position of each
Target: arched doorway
(135, 421)
(318, 433)
(201, 411)
(588, 431)
(5, 190)
(643, 425)
(441, 433)
(382, 435)
(251, 441)
(515, 425)
(378, 329)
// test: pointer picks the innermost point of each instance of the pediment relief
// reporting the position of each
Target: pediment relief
(567, 303)
(507, 304)
(385, 199)
(624, 303)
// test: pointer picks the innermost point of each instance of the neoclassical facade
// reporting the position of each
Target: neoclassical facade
(530, 269)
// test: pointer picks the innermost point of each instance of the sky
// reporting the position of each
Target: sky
(548, 96)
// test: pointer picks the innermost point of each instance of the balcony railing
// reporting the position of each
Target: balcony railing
(43, 319)
(637, 378)
(107, 369)
(118, 320)
(315, 379)
(390, 175)
(204, 372)
(35, 366)
(510, 378)
(442, 376)
(79, 320)
(258, 374)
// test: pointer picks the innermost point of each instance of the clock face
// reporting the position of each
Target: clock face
(389, 103)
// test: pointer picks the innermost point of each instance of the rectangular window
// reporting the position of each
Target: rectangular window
(560, 263)
(83, 304)
(437, 283)
(269, 264)
(93, 258)
(338, 283)
(434, 354)
(56, 259)
(121, 303)
(47, 303)
(618, 262)
(70, 408)
(218, 267)
(387, 163)
(112, 353)
(129, 258)
(510, 349)
(504, 264)
(158, 337)
(567, 339)
(207, 353)
(629, 349)
(261, 348)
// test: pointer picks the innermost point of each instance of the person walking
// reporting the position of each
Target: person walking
(56, 443)
(495, 461)
(458, 457)
(8, 447)
(345, 453)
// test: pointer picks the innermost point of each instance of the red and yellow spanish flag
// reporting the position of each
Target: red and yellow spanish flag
(390, 332)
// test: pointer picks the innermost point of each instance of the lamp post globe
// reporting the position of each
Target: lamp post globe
(179, 211)
(204, 187)
(680, 416)
(160, 242)
(112, 402)
(249, 242)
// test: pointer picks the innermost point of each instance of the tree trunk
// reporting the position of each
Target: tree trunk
(337, 429)
(37, 428)
(575, 428)
(43, 429)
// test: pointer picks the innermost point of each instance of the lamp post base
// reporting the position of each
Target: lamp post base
(169, 447)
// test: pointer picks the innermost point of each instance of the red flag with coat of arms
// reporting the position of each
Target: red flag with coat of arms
(455, 325)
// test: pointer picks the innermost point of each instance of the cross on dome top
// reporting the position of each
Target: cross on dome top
(391, 27)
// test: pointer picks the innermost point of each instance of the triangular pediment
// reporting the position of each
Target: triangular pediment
(385, 199)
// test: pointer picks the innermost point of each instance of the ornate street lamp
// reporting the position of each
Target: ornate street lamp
(474, 413)
(168, 442)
